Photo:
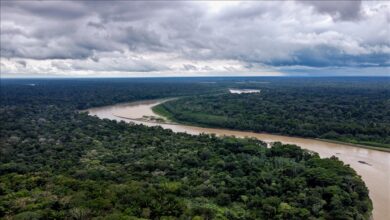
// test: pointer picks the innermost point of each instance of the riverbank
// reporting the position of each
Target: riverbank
(356, 145)
(160, 110)
(372, 165)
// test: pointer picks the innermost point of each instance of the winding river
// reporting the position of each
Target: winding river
(372, 165)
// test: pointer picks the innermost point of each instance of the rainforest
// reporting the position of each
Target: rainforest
(357, 113)
(59, 163)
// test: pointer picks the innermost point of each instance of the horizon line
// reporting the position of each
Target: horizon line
(237, 76)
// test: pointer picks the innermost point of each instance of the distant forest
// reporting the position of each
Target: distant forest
(345, 110)
(56, 163)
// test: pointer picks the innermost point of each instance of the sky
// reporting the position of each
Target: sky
(199, 38)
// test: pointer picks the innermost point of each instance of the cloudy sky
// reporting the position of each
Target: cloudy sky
(202, 38)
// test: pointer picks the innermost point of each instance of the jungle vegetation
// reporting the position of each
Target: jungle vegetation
(354, 112)
(57, 163)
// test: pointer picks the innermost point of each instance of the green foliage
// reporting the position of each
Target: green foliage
(357, 114)
(56, 163)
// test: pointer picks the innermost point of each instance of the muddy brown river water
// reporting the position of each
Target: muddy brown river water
(372, 165)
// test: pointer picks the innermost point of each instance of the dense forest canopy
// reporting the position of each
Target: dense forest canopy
(56, 163)
(351, 110)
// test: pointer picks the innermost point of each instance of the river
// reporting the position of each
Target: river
(375, 171)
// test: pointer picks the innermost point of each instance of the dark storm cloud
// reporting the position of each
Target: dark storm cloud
(189, 67)
(324, 56)
(46, 9)
(123, 35)
(343, 10)
(22, 62)
(76, 29)
(96, 25)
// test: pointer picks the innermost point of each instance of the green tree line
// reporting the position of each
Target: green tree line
(353, 114)
(56, 163)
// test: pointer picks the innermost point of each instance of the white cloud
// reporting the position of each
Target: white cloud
(162, 38)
